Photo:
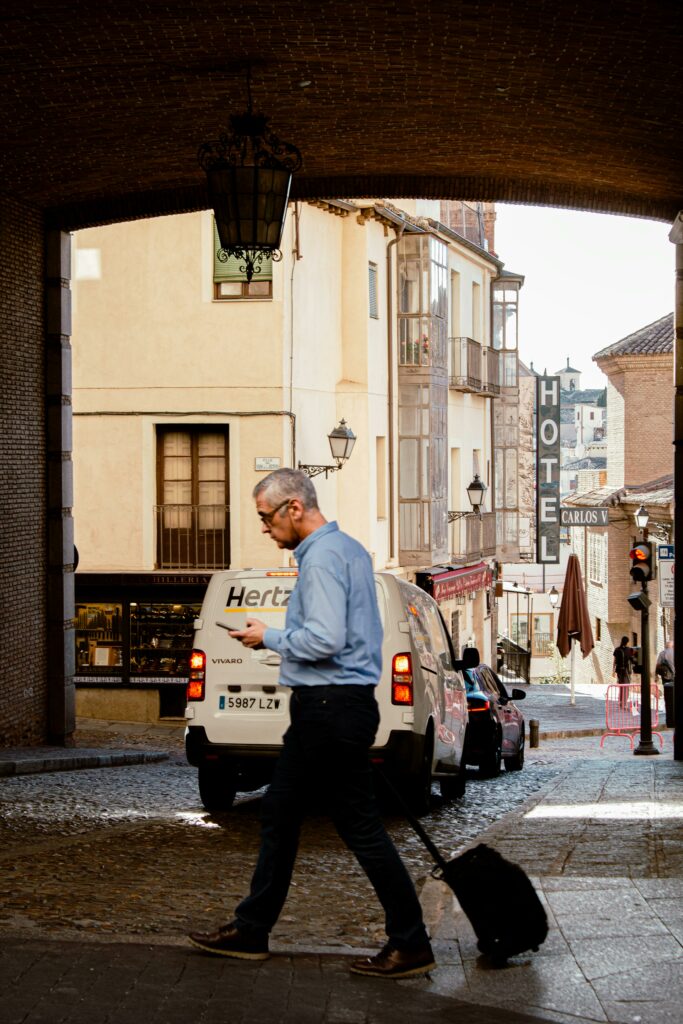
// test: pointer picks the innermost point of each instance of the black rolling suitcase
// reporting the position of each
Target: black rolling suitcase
(500, 902)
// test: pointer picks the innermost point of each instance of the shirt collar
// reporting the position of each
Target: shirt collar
(308, 542)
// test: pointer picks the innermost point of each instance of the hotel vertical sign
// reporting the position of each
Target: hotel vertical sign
(548, 470)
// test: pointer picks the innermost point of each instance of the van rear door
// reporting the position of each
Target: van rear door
(244, 703)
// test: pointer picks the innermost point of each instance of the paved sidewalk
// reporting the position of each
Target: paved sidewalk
(33, 760)
(549, 704)
(604, 845)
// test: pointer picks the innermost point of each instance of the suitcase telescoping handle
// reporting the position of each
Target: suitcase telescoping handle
(434, 851)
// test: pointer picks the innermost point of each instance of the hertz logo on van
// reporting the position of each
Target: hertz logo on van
(240, 597)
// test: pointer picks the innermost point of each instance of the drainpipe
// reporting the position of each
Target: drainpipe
(676, 236)
(390, 391)
(296, 256)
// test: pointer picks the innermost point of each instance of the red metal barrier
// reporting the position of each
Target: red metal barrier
(622, 711)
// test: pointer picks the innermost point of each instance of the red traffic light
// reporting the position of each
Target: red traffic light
(642, 568)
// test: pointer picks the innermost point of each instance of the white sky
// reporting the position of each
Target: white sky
(590, 280)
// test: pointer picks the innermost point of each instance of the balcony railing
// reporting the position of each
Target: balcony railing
(192, 536)
(472, 537)
(513, 662)
(542, 645)
(473, 368)
(492, 371)
(464, 364)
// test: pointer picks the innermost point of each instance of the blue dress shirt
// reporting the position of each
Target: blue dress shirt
(333, 632)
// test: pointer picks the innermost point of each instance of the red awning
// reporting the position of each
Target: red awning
(455, 582)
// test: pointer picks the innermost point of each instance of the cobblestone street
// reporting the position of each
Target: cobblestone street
(103, 872)
(130, 852)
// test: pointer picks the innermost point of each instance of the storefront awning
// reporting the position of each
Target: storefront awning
(454, 582)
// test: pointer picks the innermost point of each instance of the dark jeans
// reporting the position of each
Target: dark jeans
(331, 731)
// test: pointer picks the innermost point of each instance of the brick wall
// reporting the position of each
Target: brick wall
(639, 418)
(648, 427)
(23, 668)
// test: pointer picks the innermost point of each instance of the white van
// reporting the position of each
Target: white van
(237, 712)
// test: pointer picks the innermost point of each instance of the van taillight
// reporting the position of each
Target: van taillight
(195, 686)
(402, 679)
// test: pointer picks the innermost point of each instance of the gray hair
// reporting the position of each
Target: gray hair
(287, 483)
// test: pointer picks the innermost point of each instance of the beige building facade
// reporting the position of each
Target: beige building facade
(190, 384)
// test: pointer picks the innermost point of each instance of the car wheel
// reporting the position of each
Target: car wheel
(217, 785)
(453, 786)
(489, 764)
(516, 763)
(420, 789)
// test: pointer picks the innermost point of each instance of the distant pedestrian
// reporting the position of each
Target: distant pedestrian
(331, 650)
(665, 670)
(665, 663)
(621, 668)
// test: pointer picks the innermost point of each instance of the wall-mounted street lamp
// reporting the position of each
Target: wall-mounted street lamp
(475, 492)
(342, 440)
(553, 597)
(642, 517)
(248, 175)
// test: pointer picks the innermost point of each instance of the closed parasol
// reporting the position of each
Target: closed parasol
(574, 624)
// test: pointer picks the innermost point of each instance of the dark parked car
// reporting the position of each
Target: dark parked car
(495, 730)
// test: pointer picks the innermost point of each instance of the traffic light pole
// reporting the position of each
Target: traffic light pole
(645, 746)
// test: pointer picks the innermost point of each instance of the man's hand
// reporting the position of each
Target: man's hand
(252, 636)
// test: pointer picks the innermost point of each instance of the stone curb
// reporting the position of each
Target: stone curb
(32, 764)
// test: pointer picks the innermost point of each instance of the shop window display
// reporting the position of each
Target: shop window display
(161, 638)
(99, 640)
(132, 641)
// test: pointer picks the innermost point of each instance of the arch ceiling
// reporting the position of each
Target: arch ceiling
(571, 104)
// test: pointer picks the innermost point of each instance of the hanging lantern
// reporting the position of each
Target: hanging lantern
(248, 176)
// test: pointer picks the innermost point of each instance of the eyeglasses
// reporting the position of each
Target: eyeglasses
(267, 517)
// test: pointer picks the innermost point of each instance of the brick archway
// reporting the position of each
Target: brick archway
(571, 105)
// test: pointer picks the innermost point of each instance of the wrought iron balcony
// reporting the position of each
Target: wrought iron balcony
(192, 536)
(464, 364)
(492, 370)
(473, 536)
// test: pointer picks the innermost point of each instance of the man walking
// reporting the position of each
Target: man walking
(331, 658)
(665, 670)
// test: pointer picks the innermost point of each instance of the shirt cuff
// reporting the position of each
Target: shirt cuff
(272, 639)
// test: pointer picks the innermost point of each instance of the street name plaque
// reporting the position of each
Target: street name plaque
(570, 516)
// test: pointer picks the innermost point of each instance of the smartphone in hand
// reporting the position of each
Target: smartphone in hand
(234, 621)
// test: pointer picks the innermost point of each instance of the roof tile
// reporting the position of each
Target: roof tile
(655, 339)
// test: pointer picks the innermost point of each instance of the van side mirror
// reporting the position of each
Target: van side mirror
(470, 657)
(518, 694)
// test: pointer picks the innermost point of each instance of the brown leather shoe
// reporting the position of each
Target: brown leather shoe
(396, 963)
(228, 940)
